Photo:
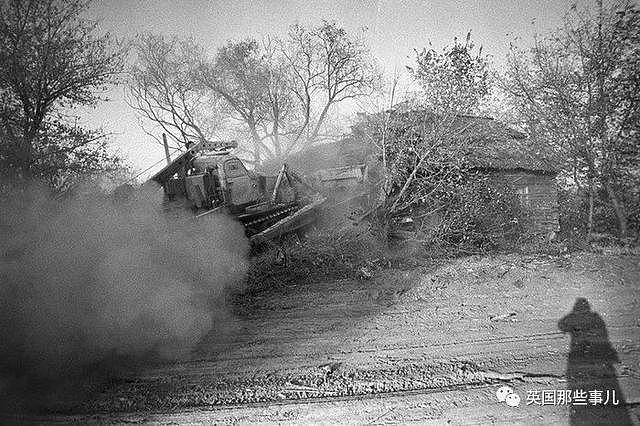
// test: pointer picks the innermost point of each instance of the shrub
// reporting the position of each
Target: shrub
(479, 214)
(573, 214)
(574, 211)
(484, 215)
(324, 253)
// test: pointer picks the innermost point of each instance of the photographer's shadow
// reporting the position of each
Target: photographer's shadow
(590, 368)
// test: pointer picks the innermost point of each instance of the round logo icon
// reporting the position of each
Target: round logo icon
(512, 400)
(503, 392)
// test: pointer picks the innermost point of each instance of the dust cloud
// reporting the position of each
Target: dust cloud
(89, 279)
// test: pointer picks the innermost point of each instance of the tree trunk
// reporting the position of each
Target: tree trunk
(590, 217)
(407, 183)
(256, 143)
(25, 157)
(618, 207)
(321, 119)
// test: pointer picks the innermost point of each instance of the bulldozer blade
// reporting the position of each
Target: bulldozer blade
(289, 223)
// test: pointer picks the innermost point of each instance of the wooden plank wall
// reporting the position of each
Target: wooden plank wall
(539, 196)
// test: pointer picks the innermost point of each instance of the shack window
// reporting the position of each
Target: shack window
(524, 196)
(234, 168)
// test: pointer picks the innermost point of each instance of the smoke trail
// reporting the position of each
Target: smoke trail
(89, 279)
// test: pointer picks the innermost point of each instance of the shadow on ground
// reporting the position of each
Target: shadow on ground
(591, 375)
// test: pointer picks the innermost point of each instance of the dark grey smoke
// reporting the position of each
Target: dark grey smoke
(87, 279)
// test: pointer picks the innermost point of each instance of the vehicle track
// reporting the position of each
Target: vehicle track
(393, 339)
(388, 348)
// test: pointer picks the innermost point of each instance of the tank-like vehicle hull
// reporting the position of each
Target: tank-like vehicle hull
(207, 179)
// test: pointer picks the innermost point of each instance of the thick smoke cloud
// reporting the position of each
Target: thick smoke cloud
(88, 279)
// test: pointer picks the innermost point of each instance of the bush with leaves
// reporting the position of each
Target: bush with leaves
(455, 79)
(423, 143)
(573, 214)
(480, 213)
(574, 210)
(328, 253)
(485, 214)
(52, 63)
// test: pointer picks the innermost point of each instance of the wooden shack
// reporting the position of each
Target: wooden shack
(523, 162)
(495, 149)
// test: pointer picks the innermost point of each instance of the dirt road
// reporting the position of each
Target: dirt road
(430, 344)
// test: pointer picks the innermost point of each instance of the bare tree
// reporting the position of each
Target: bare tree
(163, 90)
(51, 61)
(328, 67)
(244, 77)
(279, 93)
(284, 90)
(423, 155)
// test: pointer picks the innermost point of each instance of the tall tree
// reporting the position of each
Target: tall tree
(51, 63)
(164, 91)
(285, 90)
(425, 143)
(247, 80)
(454, 80)
(329, 66)
(279, 93)
(579, 88)
(422, 141)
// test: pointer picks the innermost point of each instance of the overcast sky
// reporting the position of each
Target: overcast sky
(395, 28)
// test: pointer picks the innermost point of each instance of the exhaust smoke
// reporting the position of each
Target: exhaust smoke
(86, 279)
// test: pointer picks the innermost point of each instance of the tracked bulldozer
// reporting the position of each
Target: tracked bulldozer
(209, 179)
